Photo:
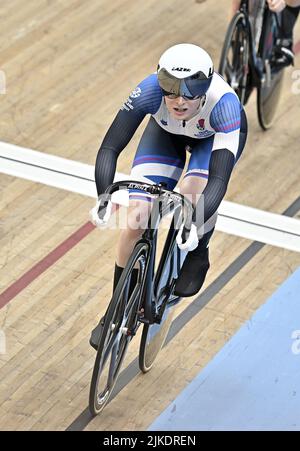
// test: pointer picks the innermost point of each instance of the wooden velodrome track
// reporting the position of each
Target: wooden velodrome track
(69, 66)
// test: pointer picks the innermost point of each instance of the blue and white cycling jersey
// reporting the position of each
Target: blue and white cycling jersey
(215, 138)
(219, 116)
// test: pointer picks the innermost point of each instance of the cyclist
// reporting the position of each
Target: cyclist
(284, 55)
(192, 109)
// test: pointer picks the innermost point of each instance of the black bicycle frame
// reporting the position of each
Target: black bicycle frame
(160, 208)
(256, 61)
(151, 294)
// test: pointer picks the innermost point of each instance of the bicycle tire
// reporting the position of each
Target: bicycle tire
(238, 76)
(267, 101)
(122, 314)
(269, 89)
(153, 339)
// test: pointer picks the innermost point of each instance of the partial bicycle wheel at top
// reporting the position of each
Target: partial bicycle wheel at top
(234, 61)
(248, 59)
(269, 90)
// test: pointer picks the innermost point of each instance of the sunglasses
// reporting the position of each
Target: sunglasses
(171, 95)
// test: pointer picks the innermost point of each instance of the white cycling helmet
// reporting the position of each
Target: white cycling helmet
(185, 70)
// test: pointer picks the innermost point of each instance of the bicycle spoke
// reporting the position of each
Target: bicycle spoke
(113, 365)
(229, 71)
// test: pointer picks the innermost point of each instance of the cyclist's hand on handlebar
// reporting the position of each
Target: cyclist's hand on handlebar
(276, 5)
(192, 241)
(98, 217)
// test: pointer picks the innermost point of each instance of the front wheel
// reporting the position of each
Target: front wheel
(234, 61)
(120, 325)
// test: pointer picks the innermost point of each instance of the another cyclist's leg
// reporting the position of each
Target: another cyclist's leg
(284, 55)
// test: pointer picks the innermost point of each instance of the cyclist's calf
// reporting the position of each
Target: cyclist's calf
(137, 219)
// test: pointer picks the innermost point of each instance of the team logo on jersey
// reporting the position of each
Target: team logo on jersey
(164, 122)
(127, 105)
(136, 93)
(133, 95)
(203, 134)
(201, 125)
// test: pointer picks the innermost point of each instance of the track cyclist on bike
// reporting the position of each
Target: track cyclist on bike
(284, 55)
(192, 109)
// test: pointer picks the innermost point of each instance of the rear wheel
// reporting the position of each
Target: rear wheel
(153, 338)
(154, 335)
(234, 61)
(120, 325)
(269, 90)
(268, 97)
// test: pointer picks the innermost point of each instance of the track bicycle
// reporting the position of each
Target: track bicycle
(248, 58)
(150, 302)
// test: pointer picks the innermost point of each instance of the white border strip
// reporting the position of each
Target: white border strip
(235, 219)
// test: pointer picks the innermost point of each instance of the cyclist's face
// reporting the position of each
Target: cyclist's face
(181, 108)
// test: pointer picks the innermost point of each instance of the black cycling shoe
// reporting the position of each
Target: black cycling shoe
(283, 53)
(192, 274)
(96, 334)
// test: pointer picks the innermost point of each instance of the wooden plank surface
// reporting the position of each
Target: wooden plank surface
(69, 66)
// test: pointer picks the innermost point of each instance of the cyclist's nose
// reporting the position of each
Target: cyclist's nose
(180, 100)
